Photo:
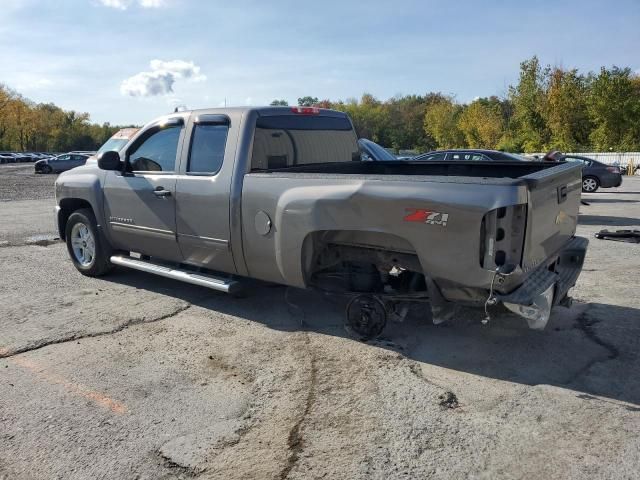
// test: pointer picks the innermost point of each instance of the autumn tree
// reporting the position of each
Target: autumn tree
(441, 119)
(26, 126)
(482, 123)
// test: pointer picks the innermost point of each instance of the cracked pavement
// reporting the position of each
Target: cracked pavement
(135, 376)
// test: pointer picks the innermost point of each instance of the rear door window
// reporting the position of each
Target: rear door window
(207, 149)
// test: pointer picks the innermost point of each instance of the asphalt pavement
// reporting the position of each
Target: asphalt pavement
(136, 376)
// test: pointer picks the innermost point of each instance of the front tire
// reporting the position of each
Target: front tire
(86, 249)
(590, 184)
(47, 169)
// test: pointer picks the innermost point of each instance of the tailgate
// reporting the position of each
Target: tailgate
(554, 201)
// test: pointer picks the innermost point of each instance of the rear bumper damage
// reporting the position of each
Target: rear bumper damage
(547, 286)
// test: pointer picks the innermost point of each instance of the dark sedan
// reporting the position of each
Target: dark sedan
(371, 151)
(466, 155)
(61, 163)
(596, 174)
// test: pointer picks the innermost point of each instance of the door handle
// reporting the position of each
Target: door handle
(161, 192)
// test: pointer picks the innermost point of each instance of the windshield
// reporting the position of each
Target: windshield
(113, 144)
(287, 140)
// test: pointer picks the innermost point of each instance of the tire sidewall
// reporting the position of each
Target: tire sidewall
(595, 180)
(100, 262)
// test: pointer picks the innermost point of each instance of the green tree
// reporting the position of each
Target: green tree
(406, 123)
(279, 103)
(307, 101)
(441, 122)
(614, 108)
(482, 123)
(566, 110)
(528, 97)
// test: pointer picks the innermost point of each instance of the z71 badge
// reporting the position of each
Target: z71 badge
(426, 216)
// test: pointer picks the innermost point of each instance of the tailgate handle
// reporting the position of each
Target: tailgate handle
(562, 193)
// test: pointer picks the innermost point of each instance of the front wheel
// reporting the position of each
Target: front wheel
(47, 169)
(590, 184)
(85, 247)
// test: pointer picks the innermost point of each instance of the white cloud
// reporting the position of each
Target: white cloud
(160, 80)
(124, 4)
(151, 3)
(119, 4)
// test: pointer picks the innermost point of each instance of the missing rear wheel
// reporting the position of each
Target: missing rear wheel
(366, 317)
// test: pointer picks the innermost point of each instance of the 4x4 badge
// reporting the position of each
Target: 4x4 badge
(426, 216)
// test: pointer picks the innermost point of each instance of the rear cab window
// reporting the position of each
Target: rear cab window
(282, 141)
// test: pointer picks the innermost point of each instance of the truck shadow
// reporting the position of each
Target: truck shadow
(591, 348)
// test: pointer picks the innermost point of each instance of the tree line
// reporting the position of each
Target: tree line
(44, 127)
(549, 108)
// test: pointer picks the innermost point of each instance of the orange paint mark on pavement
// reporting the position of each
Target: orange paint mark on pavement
(75, 388)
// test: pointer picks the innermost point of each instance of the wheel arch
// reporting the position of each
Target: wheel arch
(67, 207)
(377, 247)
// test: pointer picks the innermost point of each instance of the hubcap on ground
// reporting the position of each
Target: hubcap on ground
(589, 184)
(83, 244)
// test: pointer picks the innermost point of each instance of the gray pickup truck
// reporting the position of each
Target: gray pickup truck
(280, 194)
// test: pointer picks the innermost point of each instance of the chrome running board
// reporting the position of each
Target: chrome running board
(220, 284)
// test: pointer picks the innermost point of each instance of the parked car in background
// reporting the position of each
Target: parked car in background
(88, 153)
(60, 163)
(371, 151)
(596, 174)
(22, 157)
(118, 140)
(466, 155)
(7, 157)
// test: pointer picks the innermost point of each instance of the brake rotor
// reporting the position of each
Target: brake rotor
(366, 317)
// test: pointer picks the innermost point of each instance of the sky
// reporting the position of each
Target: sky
(128, 61)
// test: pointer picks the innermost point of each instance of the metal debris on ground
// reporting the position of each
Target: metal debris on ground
(449, 400)
(630, 236)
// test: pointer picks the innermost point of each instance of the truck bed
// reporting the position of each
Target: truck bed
(494, 213)
(475, 169)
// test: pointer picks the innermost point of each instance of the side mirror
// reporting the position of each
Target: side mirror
(109, 160)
